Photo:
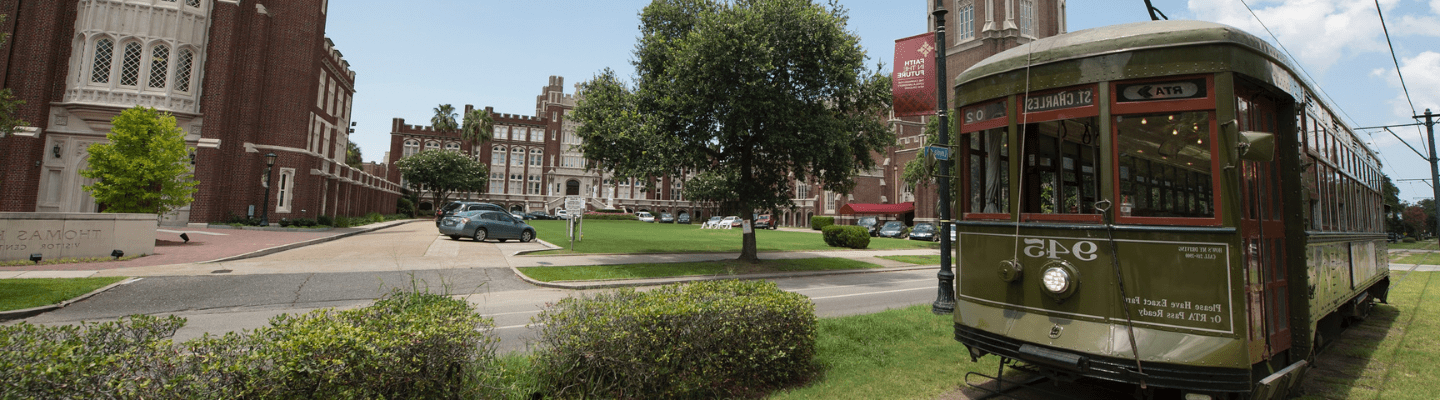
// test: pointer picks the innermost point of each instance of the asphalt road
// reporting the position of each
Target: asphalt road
(233, 300)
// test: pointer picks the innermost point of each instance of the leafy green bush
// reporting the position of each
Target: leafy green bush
(819, 223)
(325, 220)
(1408, 239)
(298, 223)
(406, 345)
(700, 340)
(851, 236)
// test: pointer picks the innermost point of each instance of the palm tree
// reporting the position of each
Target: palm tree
(444, 119)
(478, 127)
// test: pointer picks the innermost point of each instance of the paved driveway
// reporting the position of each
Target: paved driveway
(408, 247)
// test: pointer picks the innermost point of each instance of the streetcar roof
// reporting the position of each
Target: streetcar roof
(1138, 36)
(1117, 39)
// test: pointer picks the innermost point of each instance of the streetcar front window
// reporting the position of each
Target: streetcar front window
(989, 172)
(1165, 165)
(1061, 167)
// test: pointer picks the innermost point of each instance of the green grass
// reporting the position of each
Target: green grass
(662, 270)
(897, 354)
(1390, 355)
(19, 294)
(918, 260)
(1429, 244)
(1421, 258)
(633, 237)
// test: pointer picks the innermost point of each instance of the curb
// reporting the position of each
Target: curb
(665, 281)
(296, 245)
(30, 312)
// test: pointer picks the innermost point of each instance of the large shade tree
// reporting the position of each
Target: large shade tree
(442, 173)
(753, 95)
(145, 166)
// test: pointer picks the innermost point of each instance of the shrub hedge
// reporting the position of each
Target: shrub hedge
(851, 236)
(406, 345)
(623, 216)
(819, 223)
(700, 340)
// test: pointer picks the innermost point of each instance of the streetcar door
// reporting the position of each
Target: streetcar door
(1262, 226)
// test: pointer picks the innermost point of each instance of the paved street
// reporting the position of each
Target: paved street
(351, 272)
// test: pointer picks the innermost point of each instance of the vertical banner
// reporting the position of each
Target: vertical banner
(913, 85)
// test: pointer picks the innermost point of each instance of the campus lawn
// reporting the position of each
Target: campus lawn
(917, 260)
(705, 268)
(629, 237)
(19, 294)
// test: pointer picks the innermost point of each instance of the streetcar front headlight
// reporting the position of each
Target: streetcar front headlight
(1056, 280)
(1059, 279)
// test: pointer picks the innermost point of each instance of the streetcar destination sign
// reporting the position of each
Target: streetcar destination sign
(1062, 100)
(1172, 90)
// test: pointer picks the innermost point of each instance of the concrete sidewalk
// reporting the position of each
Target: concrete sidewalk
(206, 245)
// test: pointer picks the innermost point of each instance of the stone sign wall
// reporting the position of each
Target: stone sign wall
(75, 235)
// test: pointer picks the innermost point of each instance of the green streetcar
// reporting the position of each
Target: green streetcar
(1170, 189)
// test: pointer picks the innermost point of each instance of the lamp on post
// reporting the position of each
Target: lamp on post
(265, 207)
(945, 298)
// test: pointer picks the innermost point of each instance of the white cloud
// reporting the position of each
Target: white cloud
(1318, 33)
(1422, 76)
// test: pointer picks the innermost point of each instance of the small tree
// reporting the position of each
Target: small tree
(443, 172)
(145, 168)
(478, 127)
(444, 119)
(8, 103)
(353, 157)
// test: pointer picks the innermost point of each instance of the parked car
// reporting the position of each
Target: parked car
(486, 224)
(521, 215)
(645, 216)
(540, 215)
(683, 218)
(1392, 237)
(869, 223)
(458, 206)
(924, 231)
(713, 223)
(892, 229)
(728, 222)
(952, 233)
(763, 221)
(666, 218)
(562, 214)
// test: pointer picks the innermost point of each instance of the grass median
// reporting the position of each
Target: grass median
(19, 294)
(635, 237)
(704, 268)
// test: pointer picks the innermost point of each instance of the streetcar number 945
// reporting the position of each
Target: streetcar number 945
(1083, 250)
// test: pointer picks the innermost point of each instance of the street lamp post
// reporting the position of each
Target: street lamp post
(945, 298)
(269, 172)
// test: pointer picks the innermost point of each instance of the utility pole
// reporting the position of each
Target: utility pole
(1434, 168)
(945, 301)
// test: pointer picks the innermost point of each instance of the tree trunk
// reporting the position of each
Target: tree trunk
(747, 247)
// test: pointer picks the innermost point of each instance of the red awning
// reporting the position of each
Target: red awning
(857, 208)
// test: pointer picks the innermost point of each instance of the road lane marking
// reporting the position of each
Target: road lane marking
(519, 326)
(511, 313)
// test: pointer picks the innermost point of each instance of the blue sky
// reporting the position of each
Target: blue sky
(500, 53)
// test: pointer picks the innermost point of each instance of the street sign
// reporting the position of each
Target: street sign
(940, 153)
(574, 205)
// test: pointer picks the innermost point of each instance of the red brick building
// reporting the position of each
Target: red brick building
(974, 30)
(243, 79)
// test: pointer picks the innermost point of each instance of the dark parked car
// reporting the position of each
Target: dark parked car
(869, 224)
(666, 218)
(924, 231)
(486, 224)
(541, 215)
(892, 229)
(684, 218)
(459, 206)
(1392, 237)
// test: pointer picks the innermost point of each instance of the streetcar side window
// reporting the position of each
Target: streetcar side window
(989, 172)
(1061, 166)
(1165, 165)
